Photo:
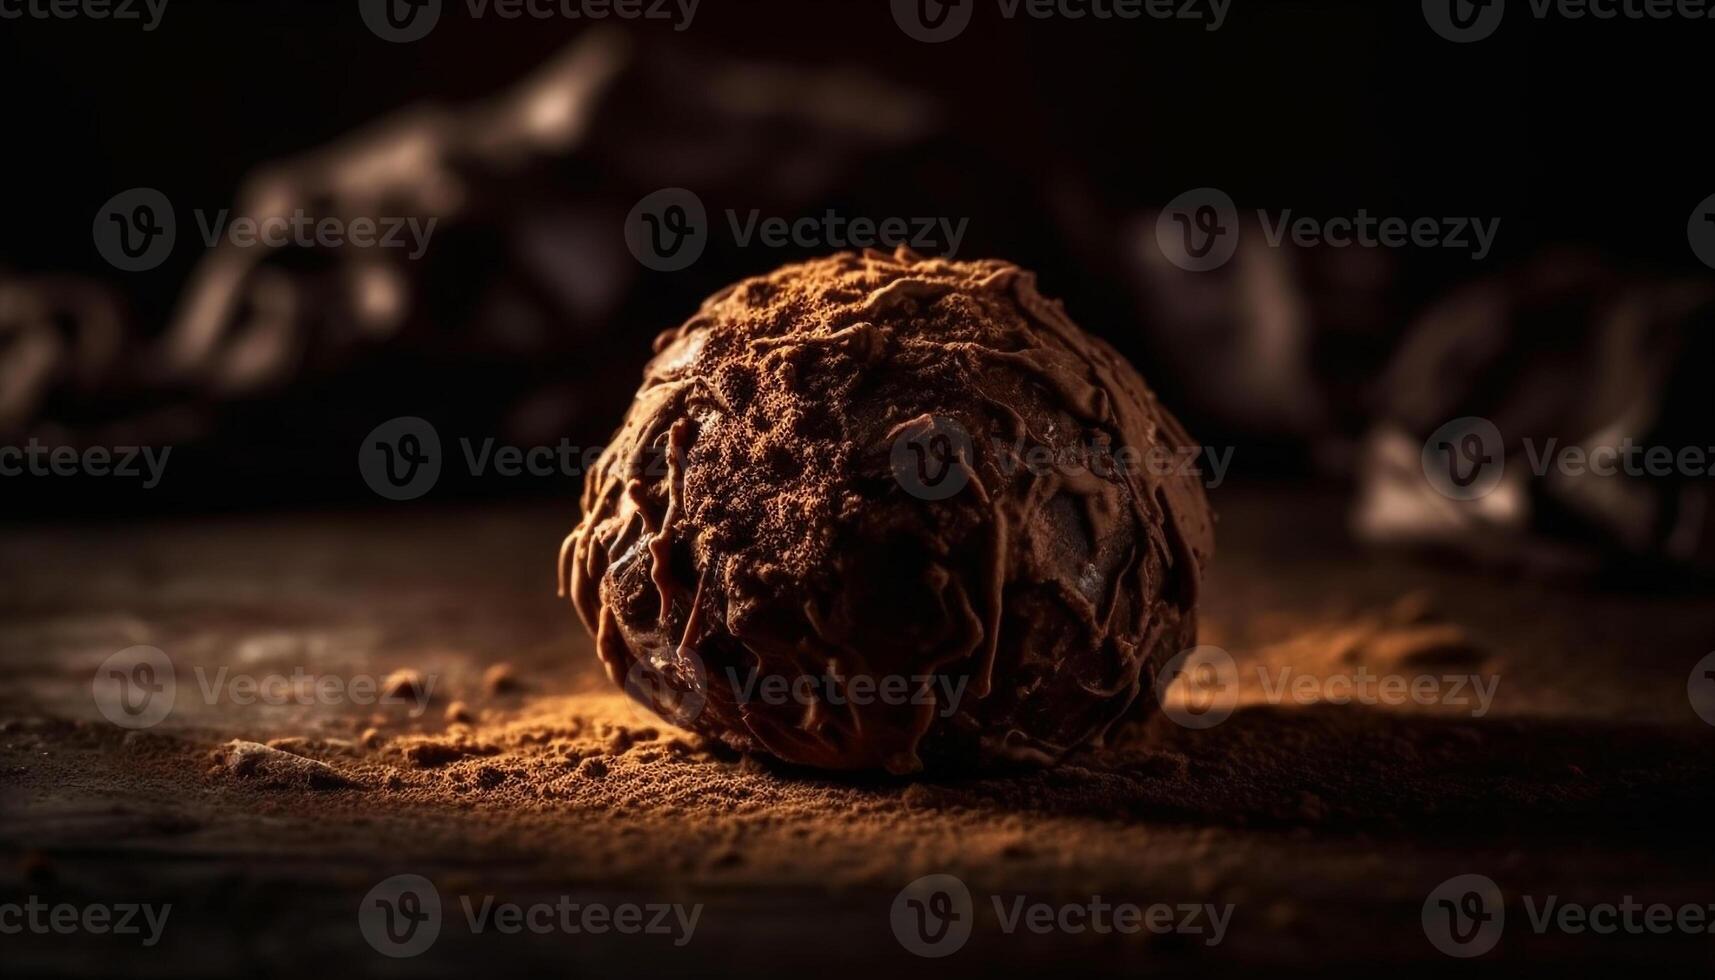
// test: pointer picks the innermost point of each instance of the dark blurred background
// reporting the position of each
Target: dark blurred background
(283, 379)
(531, 140)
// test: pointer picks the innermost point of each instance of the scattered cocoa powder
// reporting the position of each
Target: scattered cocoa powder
(574, 780)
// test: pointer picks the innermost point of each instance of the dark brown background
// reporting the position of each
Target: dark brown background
(1327, 826)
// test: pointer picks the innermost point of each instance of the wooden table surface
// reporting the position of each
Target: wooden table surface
(1325, 826)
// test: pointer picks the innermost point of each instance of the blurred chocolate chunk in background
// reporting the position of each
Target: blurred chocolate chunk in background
(514, 311)
(1590, 384)
(516, 315)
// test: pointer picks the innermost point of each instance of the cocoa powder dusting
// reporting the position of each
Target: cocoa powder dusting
(758, 514)
(1325, 822)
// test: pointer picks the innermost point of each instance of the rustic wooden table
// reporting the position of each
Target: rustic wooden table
(1324, 826)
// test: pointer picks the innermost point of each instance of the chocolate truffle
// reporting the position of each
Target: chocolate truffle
(878, 511)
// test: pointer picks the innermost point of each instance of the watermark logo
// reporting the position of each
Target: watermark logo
(136, 687)
(933, 21)
(677, 689)
(1700, 688)
(1464, 459)
(932, 457)
(1464, 916)
(403, 21)
(833, 230)
(1701, 231)
(99, 919)
(668, 230)
(1474, 236)
(1201, 687)
(1199, 229)
(145, 463)
(943, 691)
(301, 229)
(305, 689)
(1464, 21)
(134, 231)
(400, 21)
(148, 12)
(933, 916)
(1209, 691)
(1103, 459)
(400, 459)
(401, 916)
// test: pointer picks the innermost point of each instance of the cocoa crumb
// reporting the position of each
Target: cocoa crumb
(404, 684)
(270, 767)
(500, 679)
(429, 753)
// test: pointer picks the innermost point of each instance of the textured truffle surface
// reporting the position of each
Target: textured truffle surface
(880, 511)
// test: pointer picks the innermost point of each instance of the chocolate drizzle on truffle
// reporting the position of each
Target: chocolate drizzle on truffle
(747, 541)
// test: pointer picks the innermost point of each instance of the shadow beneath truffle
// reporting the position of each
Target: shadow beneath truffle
(1364, 770)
